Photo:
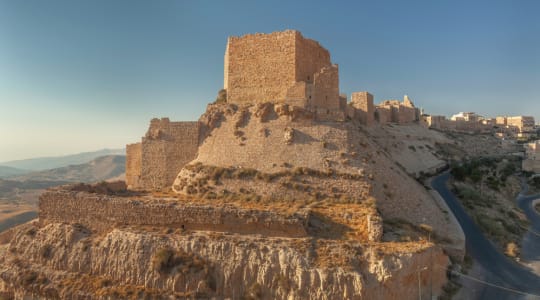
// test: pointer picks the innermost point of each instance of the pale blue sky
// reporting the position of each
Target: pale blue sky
(82, 75)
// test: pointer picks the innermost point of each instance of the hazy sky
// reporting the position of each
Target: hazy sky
(83, 75)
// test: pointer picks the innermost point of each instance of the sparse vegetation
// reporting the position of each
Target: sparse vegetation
(405, 231)
(450, 289)
(221, 96)
(487, 187)
(167, 261)
(46, 251)
(254, 292)
(534, 184)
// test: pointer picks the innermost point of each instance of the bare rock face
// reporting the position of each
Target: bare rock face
(288, 135)
(70, 262)
(264, 111)
(375, 228)
(288, 155)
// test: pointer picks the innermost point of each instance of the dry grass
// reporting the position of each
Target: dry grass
(107, 287)
(487, 188)
(168, 261)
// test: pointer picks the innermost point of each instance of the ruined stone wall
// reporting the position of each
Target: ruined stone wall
(165, 149)
(260, 67)
(405, 114)
(383, 114)
(133, 164)
(363, 103)
(282, 67)
(326, 92)
(434, 121)
(310, 58)
(102, 212)
(298, 94)
(397, 112)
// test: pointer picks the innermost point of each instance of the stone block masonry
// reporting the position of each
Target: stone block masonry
(154, 163)
(364, 108)
(102, 212)
(282, 67)
(133, 164)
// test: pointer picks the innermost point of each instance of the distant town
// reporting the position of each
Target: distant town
(515, 129)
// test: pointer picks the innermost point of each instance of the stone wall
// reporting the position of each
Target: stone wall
(260, 67)
(434, 121)
(406, 114)
(282, 67)
(326, 88)
(363, 104)
(383, 114)
(102, 213)
(133, 164)
(167, 146)
(396, 112)
(310, 58)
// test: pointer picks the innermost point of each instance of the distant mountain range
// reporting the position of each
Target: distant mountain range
(46, 163)
(10, 171)
(110, 167)
(98, 169)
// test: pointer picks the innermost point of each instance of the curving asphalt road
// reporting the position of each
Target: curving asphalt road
(530, 250)
(501, 270)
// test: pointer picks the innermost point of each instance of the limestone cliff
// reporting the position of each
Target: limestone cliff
(277, 205)
(269, 151)
(70, 262)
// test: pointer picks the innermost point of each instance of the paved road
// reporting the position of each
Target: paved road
(530, 251)
(501, 270)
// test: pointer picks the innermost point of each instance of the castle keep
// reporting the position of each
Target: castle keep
(281, 68)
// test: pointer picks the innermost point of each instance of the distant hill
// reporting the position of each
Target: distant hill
(46, 163)
(99, 169)
(8, 187)
(10, 171)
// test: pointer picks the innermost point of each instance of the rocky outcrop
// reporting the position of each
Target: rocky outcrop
(290, 155)
(70, 262)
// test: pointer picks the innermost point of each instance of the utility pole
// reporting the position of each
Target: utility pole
(419, 283)
(430, 268)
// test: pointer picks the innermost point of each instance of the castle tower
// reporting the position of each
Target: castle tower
(363, 104)
(281, 67)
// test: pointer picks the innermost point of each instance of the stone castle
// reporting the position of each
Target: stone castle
(280, 68)
(279, 177)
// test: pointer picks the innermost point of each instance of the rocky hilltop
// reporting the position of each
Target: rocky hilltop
(281, 190)
(285, 207)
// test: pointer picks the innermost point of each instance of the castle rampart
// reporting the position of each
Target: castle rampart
(102, 212)
(167, 146)
(133, 164)
(362, 102)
